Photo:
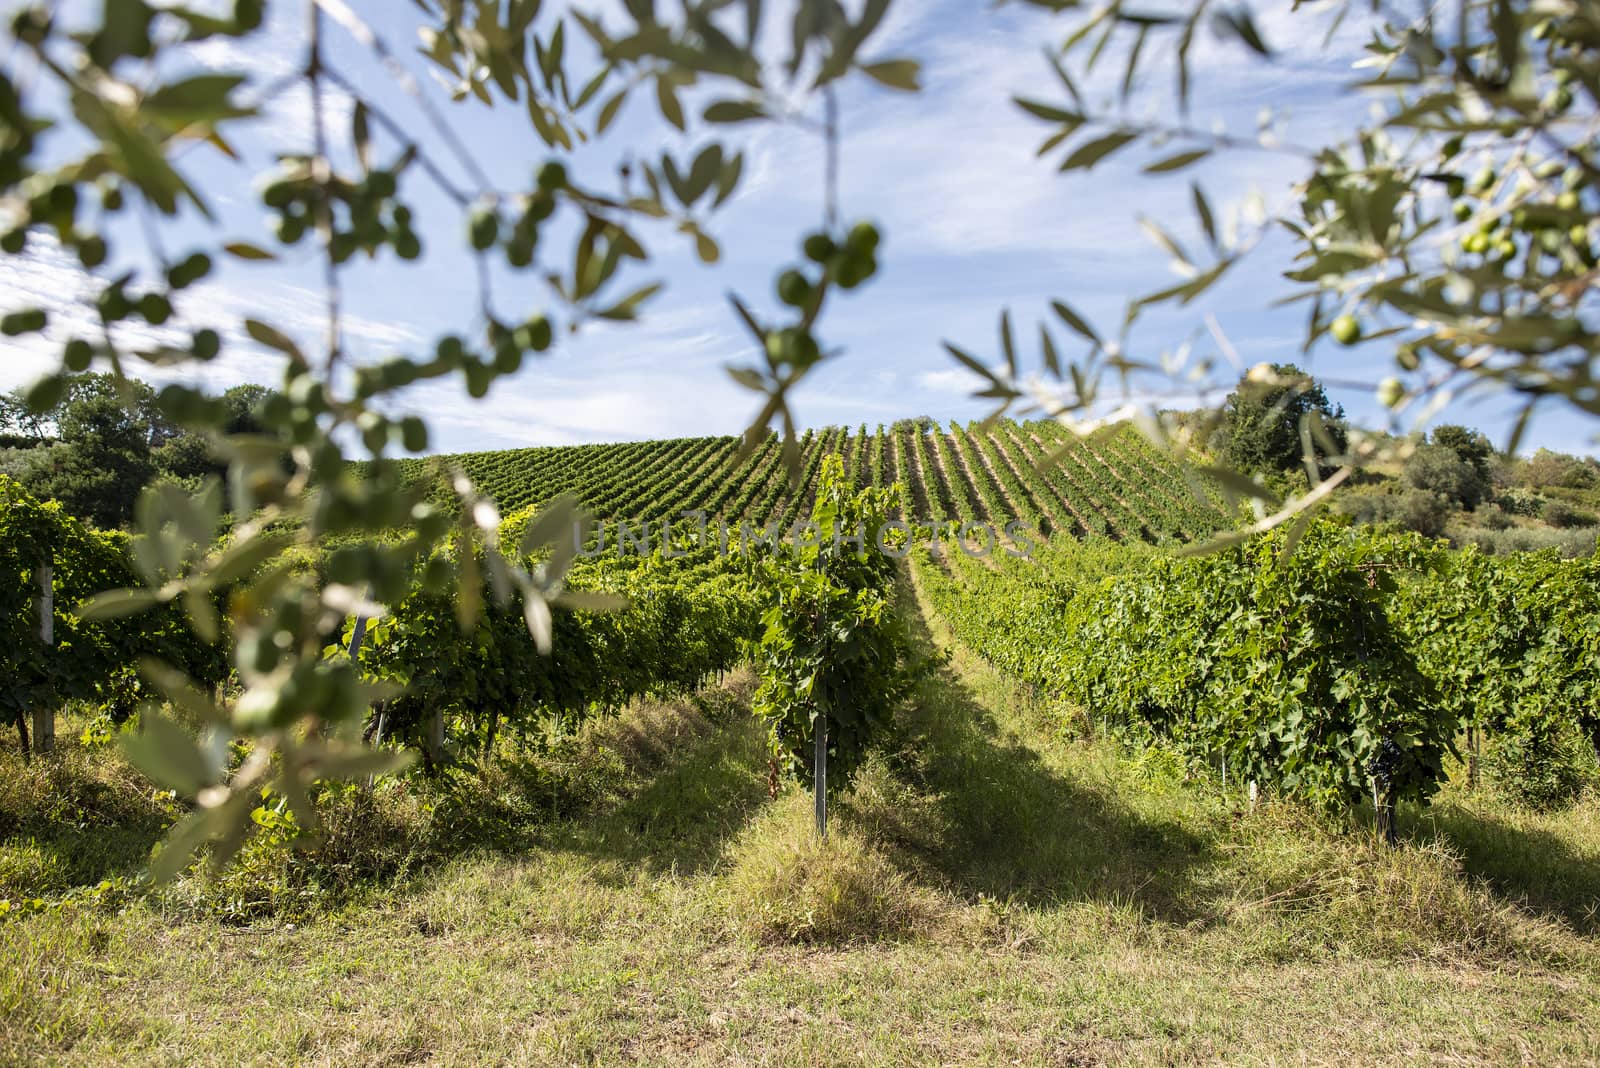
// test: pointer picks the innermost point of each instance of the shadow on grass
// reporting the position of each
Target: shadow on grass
(695, 773)
(74, 818)
(683, 816)
(1526, 865)
(1020, 829)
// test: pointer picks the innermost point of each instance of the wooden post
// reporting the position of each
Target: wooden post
(820, 786)
(1472, 756)
(436, 738)
(1383, 806)
(44, 717)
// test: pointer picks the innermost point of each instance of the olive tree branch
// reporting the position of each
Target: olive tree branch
(396, 130)
(321, 173)
(364, 34)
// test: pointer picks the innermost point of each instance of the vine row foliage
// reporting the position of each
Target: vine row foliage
(631, 626)
(87, 659)
(1114, 484)
(832, 650)
(1350, 663)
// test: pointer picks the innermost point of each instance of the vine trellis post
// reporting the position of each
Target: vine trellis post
(44, 715)
(820, 784)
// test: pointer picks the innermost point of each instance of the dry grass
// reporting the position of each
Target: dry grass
(786, 884)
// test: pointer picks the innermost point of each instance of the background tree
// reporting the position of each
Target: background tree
(106, 456)
(1473, 446)
(108, 438)
(1273, 416)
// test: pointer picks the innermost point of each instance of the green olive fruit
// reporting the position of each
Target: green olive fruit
(450, 350)
(278, 193)
(1346, 329)
(45, 394)
(819, 248)
(26, 321)
(289, 229)
(536, 334)
(247, 14)
(507, 359)
(1390, 392)
(864, 236)
(206, 344)
(413, 434)
(77, 356)
(552, 176)
(92, 251)
(540, 207)
(794, 289)
(777, 347)
(483, 228)
(155, 308)
(113, 304)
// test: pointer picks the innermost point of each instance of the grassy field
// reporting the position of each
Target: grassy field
(993, 892)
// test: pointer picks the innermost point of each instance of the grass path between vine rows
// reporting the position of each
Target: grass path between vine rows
(994, 892)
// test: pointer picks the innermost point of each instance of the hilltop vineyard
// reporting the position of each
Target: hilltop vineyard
(1112, 485)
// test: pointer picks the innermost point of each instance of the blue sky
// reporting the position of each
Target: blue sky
(973, 223)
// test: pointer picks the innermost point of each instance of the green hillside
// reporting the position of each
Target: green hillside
(1113, 484)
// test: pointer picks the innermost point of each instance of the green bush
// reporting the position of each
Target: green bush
(1572, 544)
(1419, 511)
(1564, 516)
(1438, 469)
(1541, 763)
(1521, 502)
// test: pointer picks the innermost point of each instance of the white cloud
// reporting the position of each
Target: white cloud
(48, 276)
(953, 380)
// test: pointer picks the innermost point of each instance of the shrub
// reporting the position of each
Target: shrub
(1439, 470)
(1572, 544)
(1421, 511)
(1521, 502)
(1540, 764)
(1564, 516)
(1547, 468)
(1493, 517)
